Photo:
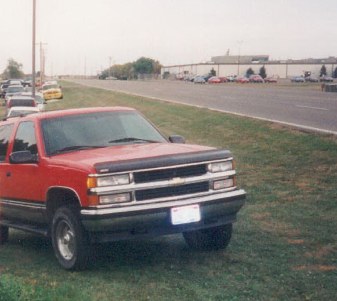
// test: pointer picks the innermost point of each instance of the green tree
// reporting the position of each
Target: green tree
(130, 70)
(212, 72)
(262, 72)
(250, 72)
(323, 71)
(146, 66)
(13, 70)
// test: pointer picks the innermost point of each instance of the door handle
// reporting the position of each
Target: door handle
(8, 174)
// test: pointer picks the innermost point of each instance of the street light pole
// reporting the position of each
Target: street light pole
(239, 54)
(110, 66)
(33, 48)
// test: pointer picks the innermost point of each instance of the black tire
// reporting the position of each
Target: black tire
(69, 240)
(209, 239)
(3, 234)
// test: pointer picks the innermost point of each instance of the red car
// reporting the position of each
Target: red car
(223, 79)
(84, 176)
(242, 80)
(255, 78)
(270, 80)
(214, 80)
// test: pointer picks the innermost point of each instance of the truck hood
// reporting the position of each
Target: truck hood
(136, 156)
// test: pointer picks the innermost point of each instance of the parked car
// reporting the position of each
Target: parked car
(207, 77)
(51, 91)
(27, 82)
(311, 79)
(214, 80)
(231, 78)
(21, 111)
(297, 79)
(3, 89)
(270, 80)
(39, 100)
(20, 101)
(223, 79)
(199, 80)
(88, 176)
(255, 78)
(13, 90)
(242, 80)
(14, 81)
(326, 79)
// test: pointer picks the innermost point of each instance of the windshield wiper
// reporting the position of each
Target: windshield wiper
(75, 147)
(132, 139)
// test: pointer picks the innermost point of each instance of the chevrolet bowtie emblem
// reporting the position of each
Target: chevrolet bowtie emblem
(176, 182)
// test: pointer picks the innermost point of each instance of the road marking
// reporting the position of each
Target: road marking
(314, 108)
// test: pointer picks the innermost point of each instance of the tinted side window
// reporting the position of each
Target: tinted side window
(25, 138)
(5, 132)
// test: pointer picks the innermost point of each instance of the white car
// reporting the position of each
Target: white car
(13, 90)
(22, 111)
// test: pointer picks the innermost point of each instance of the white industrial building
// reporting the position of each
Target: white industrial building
(238, 65)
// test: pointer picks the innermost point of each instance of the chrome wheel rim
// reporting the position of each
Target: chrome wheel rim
(65, 240)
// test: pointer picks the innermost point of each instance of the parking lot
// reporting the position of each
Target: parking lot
(296, 104)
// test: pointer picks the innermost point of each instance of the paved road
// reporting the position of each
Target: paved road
(292, 104)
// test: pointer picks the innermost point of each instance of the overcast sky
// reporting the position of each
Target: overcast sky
(85, 35)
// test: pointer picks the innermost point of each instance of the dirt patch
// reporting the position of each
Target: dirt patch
(315, 268)
(296, 241)
(322, 252)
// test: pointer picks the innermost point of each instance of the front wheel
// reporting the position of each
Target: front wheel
(209, 239)
(3, 234)
(69, 240)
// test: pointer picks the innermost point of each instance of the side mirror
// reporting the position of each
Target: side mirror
(23, 157)
(177, 139)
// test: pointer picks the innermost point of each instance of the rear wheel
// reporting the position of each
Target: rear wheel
(3, 234)
(209, 239)
(69, 240)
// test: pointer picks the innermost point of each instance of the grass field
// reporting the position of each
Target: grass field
(284, 245)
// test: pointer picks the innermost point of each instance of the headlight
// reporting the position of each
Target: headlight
(224, 183)
(114, 180)
(115, 198)
(220, 166)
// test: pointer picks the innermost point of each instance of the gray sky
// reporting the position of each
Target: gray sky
(82, 35)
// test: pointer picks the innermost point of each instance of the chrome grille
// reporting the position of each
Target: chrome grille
(170, 173)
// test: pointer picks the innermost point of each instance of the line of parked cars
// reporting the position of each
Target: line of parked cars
(18, 96)
(311, 79)
(254, 78)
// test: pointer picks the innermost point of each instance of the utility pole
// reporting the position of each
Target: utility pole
(33, 48)
(42, 62)
(239, 54)
(109, 66)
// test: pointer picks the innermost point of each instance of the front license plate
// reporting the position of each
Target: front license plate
(185, 214)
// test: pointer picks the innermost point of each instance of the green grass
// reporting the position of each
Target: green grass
(284, 245)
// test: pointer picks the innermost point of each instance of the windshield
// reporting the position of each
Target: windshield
(14, 89)
(93, 130)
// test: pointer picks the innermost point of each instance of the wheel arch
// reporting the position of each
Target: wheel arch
(59, 196)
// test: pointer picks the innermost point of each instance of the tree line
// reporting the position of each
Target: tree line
(13, 70)
(132, 70)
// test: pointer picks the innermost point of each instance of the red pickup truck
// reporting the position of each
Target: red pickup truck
(93, 175)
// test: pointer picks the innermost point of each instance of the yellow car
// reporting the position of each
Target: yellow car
(51, 91)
